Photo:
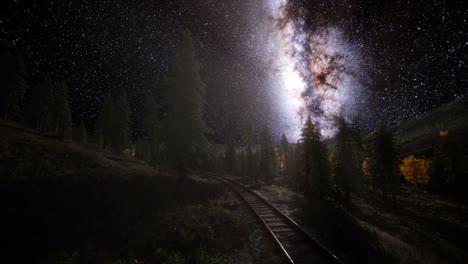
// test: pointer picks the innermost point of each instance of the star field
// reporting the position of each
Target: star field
(397, 58)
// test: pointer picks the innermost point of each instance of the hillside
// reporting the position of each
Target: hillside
(64, 202)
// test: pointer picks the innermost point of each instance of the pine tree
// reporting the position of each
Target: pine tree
(383, 161)
(40, 115)
(151, 128)
(250, 163)
(122, 124)
(63, 116)
(315, 164)
(185, 128)
(284, 152)
(98, 137)
(81, 134)
(346, 166)
(267, 155)
(248, 133)
(229, 158)
(107, 120)
(13, 83)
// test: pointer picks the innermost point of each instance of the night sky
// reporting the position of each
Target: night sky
(278, 60)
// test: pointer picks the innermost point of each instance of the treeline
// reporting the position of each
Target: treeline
(179, 140)
(349, 163)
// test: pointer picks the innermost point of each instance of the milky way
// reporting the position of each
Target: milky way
(278, 61)
(319, 73)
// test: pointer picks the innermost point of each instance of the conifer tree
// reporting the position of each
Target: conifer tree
(98, 137)
(229, 158)
(122, 129)
(151, 128)
(346, 166)
(284, 152)
(40, 115)
(108, 122)
(13, 83)
(248, 134)
(267, 155)
(63, 117)
(383, 161)
(315, 164)
(185, 127)
(250, 163)
(81, 134)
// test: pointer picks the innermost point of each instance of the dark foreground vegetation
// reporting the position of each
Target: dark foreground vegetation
(75, 204)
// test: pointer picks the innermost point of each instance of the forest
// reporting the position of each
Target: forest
(94, 191)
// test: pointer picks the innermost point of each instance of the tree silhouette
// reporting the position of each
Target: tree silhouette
(314, 160)
(185, 127)
(81, 134)
(346, 165)
(229, 158)
(107, 121)
(383, 161)
(13, 83)
(122, 129)
(40, 111)
(267, 155)
(151, 128)
(63, 117)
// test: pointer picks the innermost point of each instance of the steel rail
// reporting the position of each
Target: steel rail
(323, 251)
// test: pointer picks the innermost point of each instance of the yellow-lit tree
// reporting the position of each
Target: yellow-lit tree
(365, 166)
(415, 170)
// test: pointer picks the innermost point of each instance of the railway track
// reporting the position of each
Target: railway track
(296, 245)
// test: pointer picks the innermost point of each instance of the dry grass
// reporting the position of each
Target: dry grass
(26, 154)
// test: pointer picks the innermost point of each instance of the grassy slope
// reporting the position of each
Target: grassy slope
(63, 202)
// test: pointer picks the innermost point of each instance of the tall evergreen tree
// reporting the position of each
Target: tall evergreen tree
(107, 120)
(346, 166)
(98, 137)
(284, 152)
(122, 129)
(383, 161)
(63, 116)
(248, 133)
(229, 158)
(40, 112)
(250, 163)
(185, 127)
(13, 83)
(315, 164)
(81, 134)
(151, 128)
(267, 155)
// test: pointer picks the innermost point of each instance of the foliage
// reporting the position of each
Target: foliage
(415, 170)
(13, 84)
(151, 128)
(63, 116)
(383, 161)
(267, 155)
(346, 165)
(365, 166)
(40, 111)
(122, 129)
(185, 128)
(107, 121)
(229, 159)
(314, 163)
(81, 134)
